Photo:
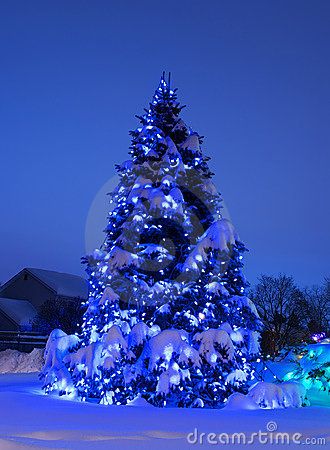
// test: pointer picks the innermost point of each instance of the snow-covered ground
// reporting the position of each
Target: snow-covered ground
(31, 420)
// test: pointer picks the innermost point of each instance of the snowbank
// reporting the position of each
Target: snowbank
(309, 366)
(13, 361)
(290, 394)
(239, 401)
(140, 401)
(283, 395)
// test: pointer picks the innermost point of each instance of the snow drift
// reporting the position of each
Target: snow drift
(13, 361)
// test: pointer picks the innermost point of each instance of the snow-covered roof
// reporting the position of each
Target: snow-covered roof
(22, 312)
(64, 284)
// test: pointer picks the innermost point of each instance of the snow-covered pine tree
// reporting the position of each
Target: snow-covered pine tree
(167, 316)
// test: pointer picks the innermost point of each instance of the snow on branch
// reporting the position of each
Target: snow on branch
(109, 296)
(103, 353)
(221, 236)
(55, 373)
(119, 258)
(215, 345)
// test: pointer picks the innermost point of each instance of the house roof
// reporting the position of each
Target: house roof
(22, 312)
(64, 284)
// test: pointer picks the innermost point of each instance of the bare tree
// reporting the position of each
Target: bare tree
(316, 307)
(278, 301)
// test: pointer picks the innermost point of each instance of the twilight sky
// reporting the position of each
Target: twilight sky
(254, 76)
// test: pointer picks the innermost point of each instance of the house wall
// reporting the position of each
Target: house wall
(6, 324)
(28, 289)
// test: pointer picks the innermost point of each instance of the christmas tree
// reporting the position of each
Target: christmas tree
(167, 316)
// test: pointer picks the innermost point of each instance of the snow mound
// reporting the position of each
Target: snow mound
(13, 361)
(273, 396)
(238, 401)
(295, 393)
(139, 401)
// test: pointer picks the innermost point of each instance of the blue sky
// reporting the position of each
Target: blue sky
(254, 76)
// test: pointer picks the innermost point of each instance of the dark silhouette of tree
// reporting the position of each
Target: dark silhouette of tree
(316, 307)
(278, 301)
(63, 314)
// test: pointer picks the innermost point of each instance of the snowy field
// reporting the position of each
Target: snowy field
(31, 420)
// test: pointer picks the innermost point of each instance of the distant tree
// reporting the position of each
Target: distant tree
(316, 307)
(278, 301)
(63, 314)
